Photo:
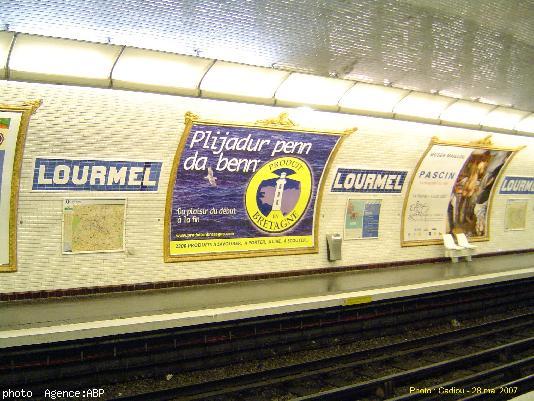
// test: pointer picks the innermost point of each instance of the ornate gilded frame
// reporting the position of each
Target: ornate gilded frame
(281, 123)
(26, 110)
(484, 143)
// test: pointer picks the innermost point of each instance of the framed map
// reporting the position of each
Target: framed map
(515, 217)
(14, 122)
(93, 225)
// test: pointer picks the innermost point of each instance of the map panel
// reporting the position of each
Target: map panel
(93, 225)
(516, 214)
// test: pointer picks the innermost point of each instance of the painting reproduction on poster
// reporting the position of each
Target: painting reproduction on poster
(451, 192)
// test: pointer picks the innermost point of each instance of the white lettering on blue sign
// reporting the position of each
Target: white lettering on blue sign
(95, 175)
(368, 181)
(517, 185)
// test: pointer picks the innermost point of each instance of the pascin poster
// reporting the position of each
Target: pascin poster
(451, 192)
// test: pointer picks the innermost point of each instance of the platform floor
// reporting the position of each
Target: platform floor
(51, 320)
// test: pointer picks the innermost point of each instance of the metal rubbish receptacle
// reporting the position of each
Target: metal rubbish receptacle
(333, 242)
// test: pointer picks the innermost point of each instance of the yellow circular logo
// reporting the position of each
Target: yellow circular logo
(278, 194)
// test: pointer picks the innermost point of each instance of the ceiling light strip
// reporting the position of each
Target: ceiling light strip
(300, 89)
(370, 99)
(66, 61)
(503, 118)
(526, 124)
(465, 113)
(242, 82)
(151, 71)
(424, 107)
(311, 90)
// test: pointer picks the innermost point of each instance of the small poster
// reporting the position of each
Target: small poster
(515, 217)
(362, 218)
(93, 225)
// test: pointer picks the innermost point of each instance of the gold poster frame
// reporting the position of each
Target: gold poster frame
(26, 110)
(485, 143)
(281, 123)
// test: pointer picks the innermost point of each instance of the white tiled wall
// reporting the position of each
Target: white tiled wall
(97, 123)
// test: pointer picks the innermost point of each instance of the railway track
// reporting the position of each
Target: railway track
(384, 371)
(94, 363)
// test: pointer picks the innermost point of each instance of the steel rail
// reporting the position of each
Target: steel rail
(525, 383)
(71, 375)
(331, 364)
(349, 392)
(437, 391)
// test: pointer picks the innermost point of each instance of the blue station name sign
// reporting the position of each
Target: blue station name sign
(95, 175)
(517, 185)
(368, 181)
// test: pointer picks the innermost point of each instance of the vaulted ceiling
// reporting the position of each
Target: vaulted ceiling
(473, 49)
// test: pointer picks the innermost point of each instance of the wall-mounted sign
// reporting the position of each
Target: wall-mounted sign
(368, 181)
(451, 191)
(13, 125)
(246, 190)
(362, 218)
(517, 185)
(93, 225)
(515, 217)
(51, 174)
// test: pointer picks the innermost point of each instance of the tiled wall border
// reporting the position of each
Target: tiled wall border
(75, 292)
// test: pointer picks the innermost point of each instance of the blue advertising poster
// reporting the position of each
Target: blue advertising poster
(237, 190)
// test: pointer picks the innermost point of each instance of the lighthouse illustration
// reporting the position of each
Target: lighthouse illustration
(279, 192)
(276, 211)
(277, 197)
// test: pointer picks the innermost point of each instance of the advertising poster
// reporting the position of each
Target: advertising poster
(451, 192)
(93, 225)
(362, 218)
(515, 217)
(13, 124)
(5, 187)
(240, 191)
